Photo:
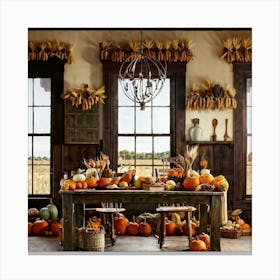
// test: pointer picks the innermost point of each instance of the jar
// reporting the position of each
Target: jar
(195, 131)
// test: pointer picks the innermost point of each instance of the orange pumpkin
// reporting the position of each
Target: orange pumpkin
(239, 221)
(206, 178)
(145, 229)
(126, 177)
(205, 238)
(190, 183)
(132, 228)
(55, 227)
(39, 227)
(91, 182)
(103, 182)
(120, 224)
(170, 228)
(79, 185)
(84, 185)
(245, 226)
(203, 163)
(115, 181)
(95, 223)
(172, 173)
(185, 228)
(72, 185)
(30, 228)
(198, 245)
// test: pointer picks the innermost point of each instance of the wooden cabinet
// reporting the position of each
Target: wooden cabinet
(81, 127)
(219, 155)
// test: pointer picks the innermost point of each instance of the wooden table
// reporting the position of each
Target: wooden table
(72, 208)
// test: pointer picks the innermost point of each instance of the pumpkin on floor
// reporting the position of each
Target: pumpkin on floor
(39, 227)
(205, 238)
(198, 245)
(30, 228)
(54, 228)
(120, 224)
(170, 227)
(132, 228)
(145, 229)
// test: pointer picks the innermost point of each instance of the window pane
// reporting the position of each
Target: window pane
(146, 171)
(163, 98)
(249, 120)
(143, 120)
(162, 147)
(126, 149)
(42, 120)
(143, 150)
(30, 92)
(123, 100)
(42, 87)
(29, 149)
(41, 148)
(41, 179)
(126, 120)
(161, 120)
(29, 179)
(30, 120)
(249, 92)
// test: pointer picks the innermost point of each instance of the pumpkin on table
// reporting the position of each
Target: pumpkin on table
(191, 182)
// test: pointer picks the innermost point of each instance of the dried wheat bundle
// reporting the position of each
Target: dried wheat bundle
(84, 96)
(228, 50)
(186, 161)
(236, 45)
(135, 46)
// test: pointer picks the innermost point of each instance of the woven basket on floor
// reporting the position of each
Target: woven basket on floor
(91, 240)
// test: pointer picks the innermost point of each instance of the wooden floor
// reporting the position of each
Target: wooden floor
(142, 245)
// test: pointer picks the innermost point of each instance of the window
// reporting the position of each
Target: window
(144, 136)
(39, 136)
(242, 194)
(249, 136)
(164, 121)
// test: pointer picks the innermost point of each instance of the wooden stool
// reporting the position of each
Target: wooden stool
(164, 210)
(110, 224)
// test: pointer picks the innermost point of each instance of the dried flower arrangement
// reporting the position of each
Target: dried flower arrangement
(185, 161)
(84, 96)
(170, 50)
(237, 50)
(47, 50)
(211, 96)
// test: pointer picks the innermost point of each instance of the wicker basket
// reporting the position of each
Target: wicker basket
(233, 234)
(246, 232)
(91, 240)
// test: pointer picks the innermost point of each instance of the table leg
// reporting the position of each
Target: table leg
(112, 230)
(68, 223)
(188, 216)
(215, 223)
(162, 229)
(203, 218)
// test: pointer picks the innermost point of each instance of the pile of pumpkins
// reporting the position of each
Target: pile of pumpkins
(91, 180)
(203, 181)
(44, 221)
(173, 226)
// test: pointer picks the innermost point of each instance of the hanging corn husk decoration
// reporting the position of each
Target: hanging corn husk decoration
(211, 96)
(170, 50)
(84, 96)
(236, 49)
(43, 51)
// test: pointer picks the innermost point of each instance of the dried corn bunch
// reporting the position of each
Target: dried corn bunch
(186, 54)
(228, 51)
(236, 46)
(105, 47)
(84, 96)
(175, 46)
(167, 48)
(247, 45)
(135, 46)
(46, 50)
(160, 55)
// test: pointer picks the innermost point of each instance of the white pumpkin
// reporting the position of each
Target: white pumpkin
(79, 178)
(92, 172)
